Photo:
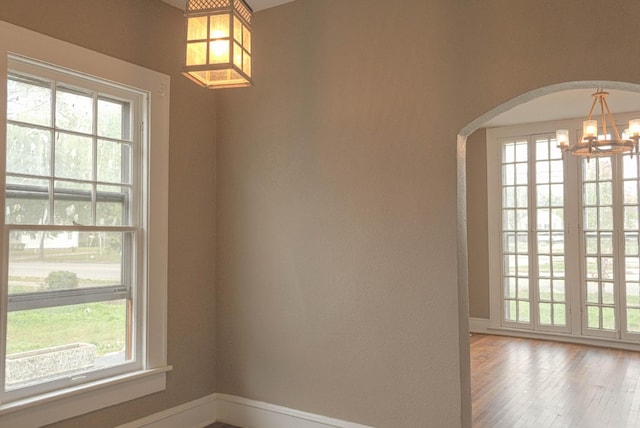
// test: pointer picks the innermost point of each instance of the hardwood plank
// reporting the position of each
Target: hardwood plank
(533, 383)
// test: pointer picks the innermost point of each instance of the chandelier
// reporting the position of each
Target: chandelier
(609, 142)
(218, 51)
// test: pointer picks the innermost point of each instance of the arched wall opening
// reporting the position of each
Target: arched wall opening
(462, 244)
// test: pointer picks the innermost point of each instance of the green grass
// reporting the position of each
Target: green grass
(102, 324)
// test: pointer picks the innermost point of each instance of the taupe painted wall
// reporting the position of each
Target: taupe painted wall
(336, 278)
(150, 33)
(336, 252)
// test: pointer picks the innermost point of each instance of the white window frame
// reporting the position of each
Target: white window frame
(575, 298)
(76, 400)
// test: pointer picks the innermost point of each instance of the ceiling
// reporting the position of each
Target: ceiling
(574, 103)
(256, 5)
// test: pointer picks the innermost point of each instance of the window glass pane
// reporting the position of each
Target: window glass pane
(542, 195)
(608, 319)
(521, 151)
(557, 169)
(523, 311)
(629, 167)
(74, 156)
(542, 172)
(64, 260)
(508, 174)
(28, 150)
(607, 293)
(112, 122)
(545, 313)
(633, 320)
(557, 195)
(631, 243)
(631, 217)
(510, 310)
(114, 162)
(591, 243)
(544, 268)
(593, 317)
(557, 241)
(509, 198)
(593, 292)
(508, 153)
(590, 218)
(604, 168)
(510, 287)
(28, 101)
(607, 267)
(589, 170)
(632, 268)
(111, 206)
(74, 111)
(559, 314)
(630, 192)
(72, 203)
(558, 290)
(27, 201)
(558, 266)
(633, 294)
(521, 196)
(544, 289)
(606, 218)
(50, 343)
(605, 193)
(590, 194)
(606, 243)
(544, 220)
(522, 220)
(521, 173)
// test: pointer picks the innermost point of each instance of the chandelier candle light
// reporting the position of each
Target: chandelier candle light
(218, 51)
(593, 144)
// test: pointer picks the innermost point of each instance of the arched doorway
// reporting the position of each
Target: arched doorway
(534, 104)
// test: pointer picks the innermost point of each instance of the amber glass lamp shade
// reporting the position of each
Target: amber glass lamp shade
(218, 43)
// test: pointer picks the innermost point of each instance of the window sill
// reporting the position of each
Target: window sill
(67, 403)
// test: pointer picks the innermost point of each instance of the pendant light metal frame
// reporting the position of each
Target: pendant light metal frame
(202, 65)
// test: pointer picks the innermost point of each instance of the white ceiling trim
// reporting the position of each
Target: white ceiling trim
(256, 5)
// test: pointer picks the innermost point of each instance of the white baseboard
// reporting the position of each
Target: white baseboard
(194, 414)
(237, 411)
(478, 325)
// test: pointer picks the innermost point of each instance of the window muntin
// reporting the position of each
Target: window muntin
(72, 215)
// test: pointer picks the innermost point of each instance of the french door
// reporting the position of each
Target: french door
(569, 239)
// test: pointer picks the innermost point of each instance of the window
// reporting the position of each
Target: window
(564, 234)
(84, 232)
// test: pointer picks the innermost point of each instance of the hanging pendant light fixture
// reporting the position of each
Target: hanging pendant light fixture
(218, 51)
(591, 143)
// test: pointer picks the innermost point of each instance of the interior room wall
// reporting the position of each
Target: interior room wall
(336, 279)
(150, 33)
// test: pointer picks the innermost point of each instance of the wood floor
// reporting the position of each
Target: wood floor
(540, 384)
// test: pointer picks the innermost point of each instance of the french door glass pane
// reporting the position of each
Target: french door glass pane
(515, 224)
(550, 236)
(631, 260)
(598, 243)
